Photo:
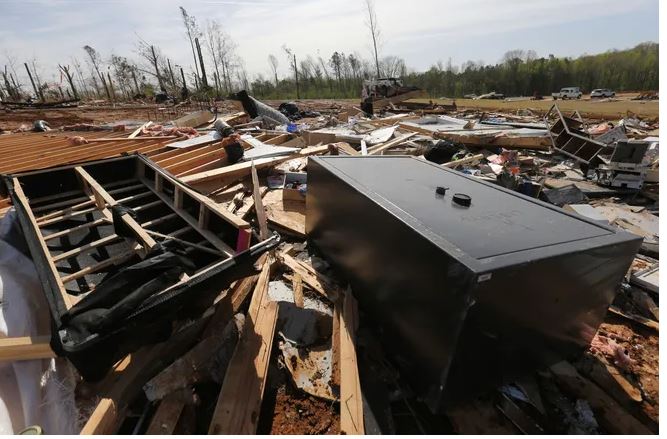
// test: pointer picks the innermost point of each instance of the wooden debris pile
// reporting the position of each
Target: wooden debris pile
(287, 351)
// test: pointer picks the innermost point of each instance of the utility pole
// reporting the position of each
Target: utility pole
(296, 77)
(204, 81)
(38, 93)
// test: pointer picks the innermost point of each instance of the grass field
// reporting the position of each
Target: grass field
(594, 109)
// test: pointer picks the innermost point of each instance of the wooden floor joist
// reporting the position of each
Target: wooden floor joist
(25, 348)
(240, 399)
(67, 299)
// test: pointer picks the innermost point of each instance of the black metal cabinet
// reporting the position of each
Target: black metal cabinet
(464, 295)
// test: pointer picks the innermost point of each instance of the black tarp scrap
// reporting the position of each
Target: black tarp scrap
(122, 293)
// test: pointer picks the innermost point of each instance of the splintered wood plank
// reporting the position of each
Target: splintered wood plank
(351, 403)
(609, 413)
(128, 376)
(18, 190)
(390, 144)
(242, 169)
(289, 215)
(25, 348)
(259, 207)
(136, 132)
(166, 416)
(335, 346)
(317, 281)
(297, 287)
(240, 399)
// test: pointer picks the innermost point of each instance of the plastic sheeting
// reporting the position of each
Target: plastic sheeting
(35, 392)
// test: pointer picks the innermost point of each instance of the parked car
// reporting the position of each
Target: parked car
(568, 93)
(602, 93)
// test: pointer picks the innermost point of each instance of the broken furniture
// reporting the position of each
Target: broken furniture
(568, 136)
(469, 283)
(625, 168)
(123, 249)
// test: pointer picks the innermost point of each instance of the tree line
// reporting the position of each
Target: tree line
(217, 70)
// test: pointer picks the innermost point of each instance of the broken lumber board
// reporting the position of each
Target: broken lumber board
(242, 169)
(351, 401)
(289, 215)
(297, 287)
(240, 399)
(126, 379)
(390, 144)
(25, 348)
(463, 161)
(259, 207)
(648, 323)
(317, 281)
(136, 132)
(541, 143)
(194, 119)
(608, 377)
(166, 416)
(609, 413)
(185, 370)
(347, 149)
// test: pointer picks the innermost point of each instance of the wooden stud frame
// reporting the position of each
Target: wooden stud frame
(39, 212)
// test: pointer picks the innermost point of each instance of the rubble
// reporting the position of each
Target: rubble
(283, 346)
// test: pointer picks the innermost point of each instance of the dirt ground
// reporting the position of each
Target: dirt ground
(642, 346)
(297, 413)
(592, 108)
(13, 119)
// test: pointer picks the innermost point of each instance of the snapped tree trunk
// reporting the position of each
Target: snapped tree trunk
(157, 71)
(296, 78)
(204, 81)
(38, 92)
(68, 75)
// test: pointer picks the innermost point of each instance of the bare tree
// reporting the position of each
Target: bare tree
(13, 75)
(273, 62)
(214, 38)
(155, 59)
(96, 62)
(372, 24)
(70, 79)
(192, 32)
(393, 66)
(79, 74)
(291, 58)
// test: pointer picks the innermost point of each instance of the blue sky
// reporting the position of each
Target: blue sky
(420, 31)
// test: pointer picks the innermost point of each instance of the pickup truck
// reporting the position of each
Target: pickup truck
(567, 93)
